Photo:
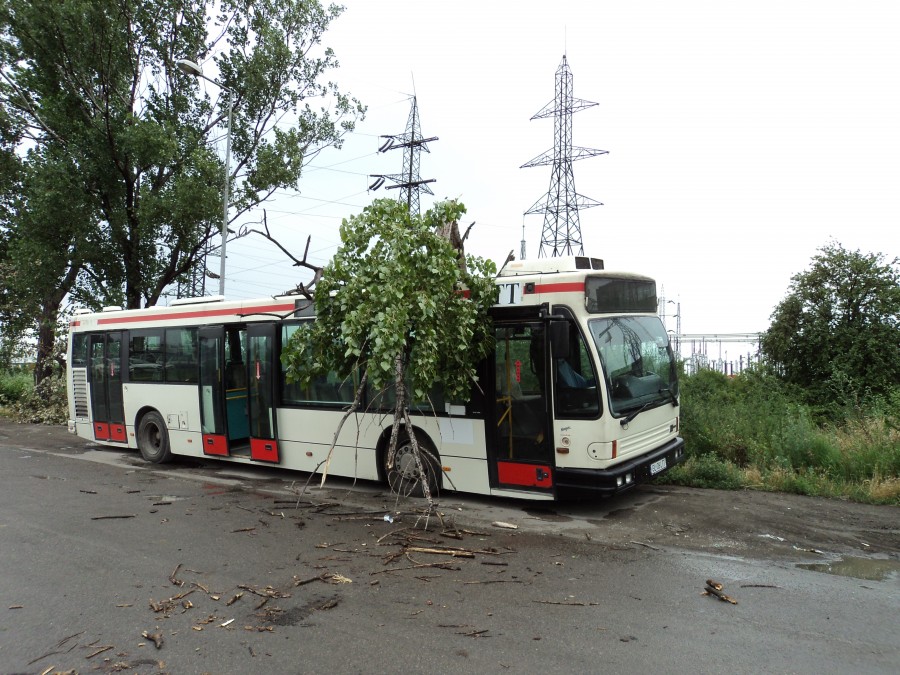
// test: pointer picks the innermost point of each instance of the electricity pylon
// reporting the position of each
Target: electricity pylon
(562, 229)
(409, 183)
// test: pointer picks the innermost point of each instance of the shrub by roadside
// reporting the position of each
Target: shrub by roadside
(750, 432)
(24, 403)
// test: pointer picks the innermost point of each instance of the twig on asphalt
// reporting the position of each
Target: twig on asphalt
(640, 543)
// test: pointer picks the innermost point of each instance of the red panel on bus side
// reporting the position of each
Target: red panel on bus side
(101, 431)
(264, 450)
(526, 475)
(117, 433)
(215, 445)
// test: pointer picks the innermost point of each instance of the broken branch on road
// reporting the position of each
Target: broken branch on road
(157, 638)
(715, 588)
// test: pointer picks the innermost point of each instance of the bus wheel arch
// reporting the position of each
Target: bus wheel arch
(404, 477)
(153, 437)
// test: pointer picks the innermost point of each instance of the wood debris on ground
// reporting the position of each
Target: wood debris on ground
(156, 638)
(715, 588)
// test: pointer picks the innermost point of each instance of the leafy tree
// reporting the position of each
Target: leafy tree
(400, 303)
(92, 89)
(837, 332)
(48, 241)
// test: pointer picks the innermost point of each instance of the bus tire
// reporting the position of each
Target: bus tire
(404, 477)
(153, 438)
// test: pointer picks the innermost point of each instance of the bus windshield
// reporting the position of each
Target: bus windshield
(637, 362)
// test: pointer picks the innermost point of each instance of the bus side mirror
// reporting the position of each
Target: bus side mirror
(559, 339)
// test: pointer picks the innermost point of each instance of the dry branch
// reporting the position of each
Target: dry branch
(157, 638)
(715, 588)
(455, 552)
(175, 580)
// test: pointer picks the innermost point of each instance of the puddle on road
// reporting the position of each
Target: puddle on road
(859, 568)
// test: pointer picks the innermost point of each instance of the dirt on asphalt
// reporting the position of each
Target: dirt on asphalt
(744, 523)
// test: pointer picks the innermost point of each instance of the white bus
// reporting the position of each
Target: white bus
(578, 398)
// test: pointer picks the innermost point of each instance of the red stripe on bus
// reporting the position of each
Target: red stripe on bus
(196, 314)
(562, 287)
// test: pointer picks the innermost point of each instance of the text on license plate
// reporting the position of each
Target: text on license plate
(656, 467)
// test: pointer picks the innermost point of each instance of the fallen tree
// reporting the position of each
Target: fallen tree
(402, 305)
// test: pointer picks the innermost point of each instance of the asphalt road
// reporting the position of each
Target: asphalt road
(233, 573)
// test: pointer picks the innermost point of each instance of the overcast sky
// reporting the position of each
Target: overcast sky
(742, 137)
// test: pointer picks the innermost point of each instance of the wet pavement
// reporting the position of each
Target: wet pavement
(232, 570)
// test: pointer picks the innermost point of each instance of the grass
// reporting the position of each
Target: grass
(751, 432)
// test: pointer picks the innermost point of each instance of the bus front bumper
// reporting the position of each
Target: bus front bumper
(579, 483)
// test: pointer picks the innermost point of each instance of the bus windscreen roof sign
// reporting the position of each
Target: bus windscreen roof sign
(607, 295)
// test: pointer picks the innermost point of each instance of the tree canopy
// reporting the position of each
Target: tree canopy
(91, 102)
(836, 334)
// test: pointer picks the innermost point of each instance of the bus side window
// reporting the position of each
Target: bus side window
(182, 355)
(577, 394)
(79, 350)
(145, 355)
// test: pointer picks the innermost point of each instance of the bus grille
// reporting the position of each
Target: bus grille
(79, 392)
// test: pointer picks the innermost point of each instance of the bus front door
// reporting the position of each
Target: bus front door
(107, 404)
(261, 392)
(522, 454)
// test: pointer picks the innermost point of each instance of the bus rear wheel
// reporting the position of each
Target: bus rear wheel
(404, 476)
(153, 438)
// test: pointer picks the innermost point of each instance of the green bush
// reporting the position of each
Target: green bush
(44, 404)
(755, 430)
(707, 471)
(14, 385)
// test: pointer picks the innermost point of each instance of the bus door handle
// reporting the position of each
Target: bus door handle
(541, 474)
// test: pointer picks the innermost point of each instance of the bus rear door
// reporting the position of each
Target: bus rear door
(105, 377)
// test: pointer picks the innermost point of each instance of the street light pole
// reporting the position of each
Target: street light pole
(225, 196)
(192, 68)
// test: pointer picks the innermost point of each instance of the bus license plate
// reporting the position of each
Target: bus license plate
(656, 467)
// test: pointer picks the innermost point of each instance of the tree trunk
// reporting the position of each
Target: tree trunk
(43, 367)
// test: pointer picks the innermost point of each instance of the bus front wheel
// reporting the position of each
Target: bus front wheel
(153, 438)
(405, 476)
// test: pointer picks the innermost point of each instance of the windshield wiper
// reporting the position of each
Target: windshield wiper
(637, 411)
